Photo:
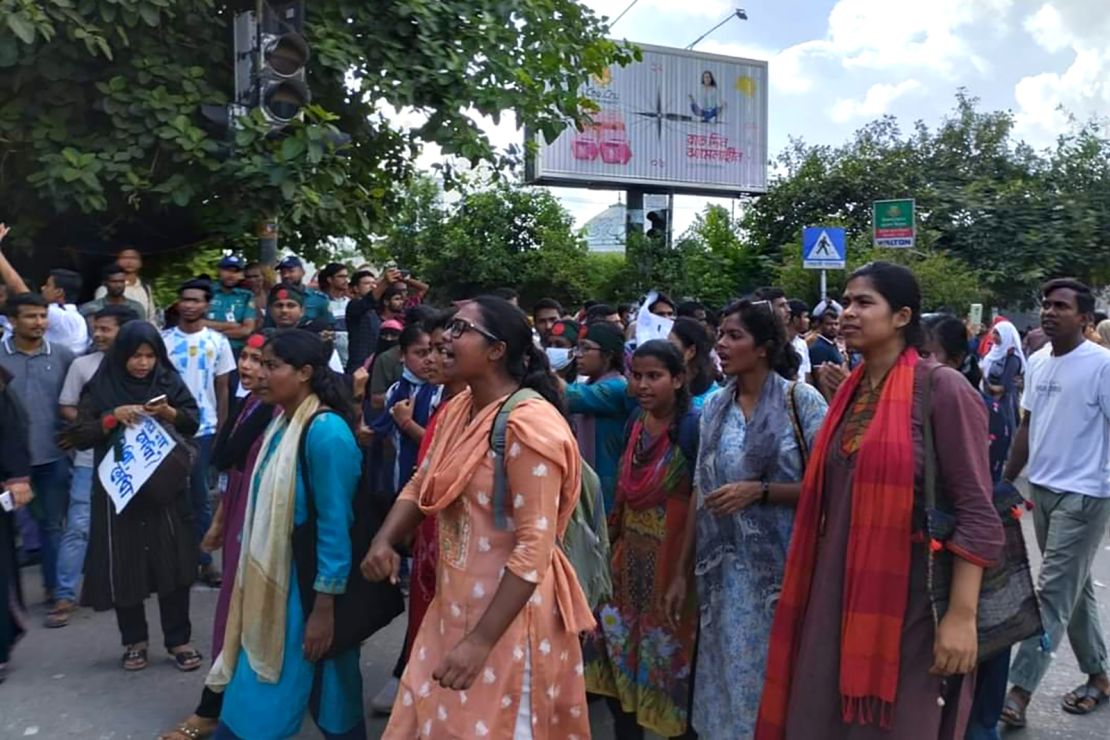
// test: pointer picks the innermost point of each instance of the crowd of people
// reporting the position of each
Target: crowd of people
(720, 523)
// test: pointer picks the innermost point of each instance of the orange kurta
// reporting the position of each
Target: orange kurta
(456, 484)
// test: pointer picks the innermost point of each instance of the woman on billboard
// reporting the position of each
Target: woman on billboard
(708, 104)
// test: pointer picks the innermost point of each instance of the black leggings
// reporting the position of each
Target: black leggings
(174, 612)
(211, 704)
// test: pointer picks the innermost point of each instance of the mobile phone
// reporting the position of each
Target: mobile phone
(7, 503)
(156, 400)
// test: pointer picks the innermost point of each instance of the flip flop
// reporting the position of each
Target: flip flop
(1072, 703)
(1013, 713)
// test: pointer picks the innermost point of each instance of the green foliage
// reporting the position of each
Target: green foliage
(101, 138)
(1001, 213)
(505, 235)
(718, 265)
(946, 282)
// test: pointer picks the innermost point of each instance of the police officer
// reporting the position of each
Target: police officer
(316, 304)
(231, 310)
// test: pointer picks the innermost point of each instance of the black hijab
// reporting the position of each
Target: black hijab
(113, 386)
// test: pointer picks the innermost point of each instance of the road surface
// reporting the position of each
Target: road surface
(67, 683)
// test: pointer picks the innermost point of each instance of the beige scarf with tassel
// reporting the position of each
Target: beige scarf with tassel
(265, 559)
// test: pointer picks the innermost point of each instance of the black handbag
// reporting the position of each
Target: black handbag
(365, 607)
(1008, 608)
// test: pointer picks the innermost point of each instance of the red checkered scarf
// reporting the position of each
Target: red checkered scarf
(878, 560)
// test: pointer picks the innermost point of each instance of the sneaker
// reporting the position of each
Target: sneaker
(60, 614)
(382, 703)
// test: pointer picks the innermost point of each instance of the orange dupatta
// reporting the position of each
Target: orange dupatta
(461, 445)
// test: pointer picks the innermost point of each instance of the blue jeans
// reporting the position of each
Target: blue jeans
(198, 492)
(50, 483)
(75, 539)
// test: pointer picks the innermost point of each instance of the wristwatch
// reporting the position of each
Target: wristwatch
(766, 488)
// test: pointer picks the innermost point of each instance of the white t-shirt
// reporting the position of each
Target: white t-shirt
(802, 350)
(1069, 440)
(338, 308)
(77, 377)
(201, 357)
(66, 326)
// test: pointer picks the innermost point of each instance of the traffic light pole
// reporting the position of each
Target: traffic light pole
(268, 241)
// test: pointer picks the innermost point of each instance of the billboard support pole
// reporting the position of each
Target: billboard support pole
(634, 224)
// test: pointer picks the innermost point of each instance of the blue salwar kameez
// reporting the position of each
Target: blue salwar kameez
(253, 709)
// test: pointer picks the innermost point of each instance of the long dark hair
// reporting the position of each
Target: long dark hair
(951, 334)
(524, 361)
(692, 333)
(761, 321)
(898, 287)
(298, 348)
(672, 359)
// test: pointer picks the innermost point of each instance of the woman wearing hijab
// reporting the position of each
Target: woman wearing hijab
(1001, 368)
(148, 547)
(236, 451)
(15, 471)
(271, 666)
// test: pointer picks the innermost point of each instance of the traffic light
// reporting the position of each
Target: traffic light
(282, 89)
(657, 224)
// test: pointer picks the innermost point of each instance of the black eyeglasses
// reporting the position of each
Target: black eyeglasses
(458, 327)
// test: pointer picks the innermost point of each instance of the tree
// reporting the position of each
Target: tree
(946, 282)
(100, 138)
(503, 235)
(990, 205)
(718, 265)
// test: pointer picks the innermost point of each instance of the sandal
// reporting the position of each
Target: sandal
(134, 658)
(1013, 711)
(190, 732)
(1084, 699)
(187, 660)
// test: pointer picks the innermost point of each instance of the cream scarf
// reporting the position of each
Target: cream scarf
(265, 559)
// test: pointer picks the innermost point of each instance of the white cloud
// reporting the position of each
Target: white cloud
(1047, 101)
(875, 103)
(1046, 26)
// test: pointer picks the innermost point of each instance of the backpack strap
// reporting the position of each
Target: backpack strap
(930, 445)
(497, 436)
(302, 462)
(796, 423)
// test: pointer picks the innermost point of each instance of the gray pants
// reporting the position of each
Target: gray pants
(1070, 528)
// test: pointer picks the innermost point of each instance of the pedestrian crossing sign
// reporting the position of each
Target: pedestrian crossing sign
(824, 248)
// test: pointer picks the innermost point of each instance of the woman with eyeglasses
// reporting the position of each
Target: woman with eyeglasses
(498, 654)
(754, 435)
(600, 404)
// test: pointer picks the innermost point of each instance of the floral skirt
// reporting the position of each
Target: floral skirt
(634, 655)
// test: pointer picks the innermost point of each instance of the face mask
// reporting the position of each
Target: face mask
(559, 357)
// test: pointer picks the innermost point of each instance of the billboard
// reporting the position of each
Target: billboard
(678, 121)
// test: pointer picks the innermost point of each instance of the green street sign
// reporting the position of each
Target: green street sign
(894, 223)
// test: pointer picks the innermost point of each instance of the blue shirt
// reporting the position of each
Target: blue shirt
(825, 351)
(602, 412)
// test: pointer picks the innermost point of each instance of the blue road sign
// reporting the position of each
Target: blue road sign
(824, 248)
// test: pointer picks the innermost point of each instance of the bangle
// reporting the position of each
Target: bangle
(766, 497)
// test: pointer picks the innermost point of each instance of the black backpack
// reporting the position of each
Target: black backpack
(365, 607)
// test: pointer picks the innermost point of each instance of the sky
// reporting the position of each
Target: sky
(836, 64)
